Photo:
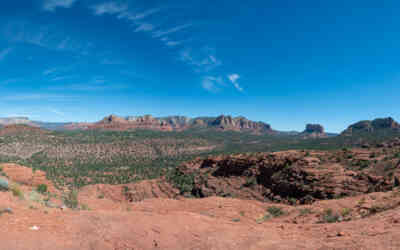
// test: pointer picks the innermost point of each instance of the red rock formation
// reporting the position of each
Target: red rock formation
(372, 126)
(281, 177)
(175, 123)
(314, 131)
(114, 122)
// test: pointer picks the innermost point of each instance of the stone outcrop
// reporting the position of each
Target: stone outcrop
(240, 124)
(114, 122)
(313, 131)
(289, 177)
(178, 123)
(373, 126)
(15, 120)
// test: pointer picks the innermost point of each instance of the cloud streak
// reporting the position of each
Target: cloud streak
(110, 8)
(4, 53)
(234, 80)
(212, 83)
(146, 27)
(161, 33)
(122, 11)
(52, 5)
(36, 97)
(202, 60)
(44, 36)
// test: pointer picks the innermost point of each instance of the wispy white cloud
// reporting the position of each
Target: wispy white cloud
(146, 27)
(173, 43)
(109, 8)
(161, 33)
(11, 81)
(61, 71)
(107, 61)
(44, 36)
(135, 16)
(212, 83)
(50, 71)
(56, 111)
(203, 60)
(234, 79)
(89, 87)
(62, 78)
(122, 11)
(97, 83)
(52, 5)
(4, 53)
(36, 97)
(64, 43)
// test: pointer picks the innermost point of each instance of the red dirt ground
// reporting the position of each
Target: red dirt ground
(155, 221)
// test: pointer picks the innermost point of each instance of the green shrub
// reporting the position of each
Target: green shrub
(35, 196)
(181, 181)
(16, 190)
(250, 182)
(263, 218)
(71, 199)
(346, 212)
(329, 217)
(4, 185)
(42, 188)
(305, 211)
(275, 211)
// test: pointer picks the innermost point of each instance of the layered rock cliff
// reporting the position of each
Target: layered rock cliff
(373, 126)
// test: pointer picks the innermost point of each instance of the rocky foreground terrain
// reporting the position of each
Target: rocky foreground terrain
(343, 199)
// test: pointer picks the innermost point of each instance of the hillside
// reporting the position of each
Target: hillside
(285, 200)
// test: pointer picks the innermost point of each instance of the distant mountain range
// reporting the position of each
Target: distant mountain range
(221, 123)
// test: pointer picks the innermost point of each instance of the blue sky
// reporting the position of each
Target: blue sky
(284, 62)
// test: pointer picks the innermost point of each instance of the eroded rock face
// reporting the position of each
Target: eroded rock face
(314, 128)
(27, 176)
(19, 128)
(114, 122)
(288, 177)
(375, 125)
(15, 120)
(240, 124)
(314, 131)
(176, 123)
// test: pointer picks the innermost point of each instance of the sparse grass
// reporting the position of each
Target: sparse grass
(361, 202)
(16, 190)
(85, 207)
(292, 201)
(346, 211)
(250, 182)
(305, 211)
(71, 199)
(263, 218)
(328, 216)
(275, 211)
